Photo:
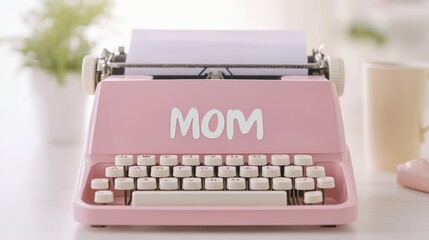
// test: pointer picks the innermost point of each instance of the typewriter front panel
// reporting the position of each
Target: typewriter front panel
(216, 116)
(291, 116)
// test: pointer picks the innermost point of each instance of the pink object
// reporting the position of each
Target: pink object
(301, 115)
(414, 174)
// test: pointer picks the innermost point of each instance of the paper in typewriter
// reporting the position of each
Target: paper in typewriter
(216, 47)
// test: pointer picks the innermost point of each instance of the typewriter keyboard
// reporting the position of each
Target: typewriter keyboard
(213, 180)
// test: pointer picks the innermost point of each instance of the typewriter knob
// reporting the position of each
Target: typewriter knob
(336, 73)
(89, 73)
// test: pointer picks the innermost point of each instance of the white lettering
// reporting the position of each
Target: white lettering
(205, 124)
(192, 117)
(184, 124)
(245, 126)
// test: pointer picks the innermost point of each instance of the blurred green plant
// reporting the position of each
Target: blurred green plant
(57, 42)
(364, 31)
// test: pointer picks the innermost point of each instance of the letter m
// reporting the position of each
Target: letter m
(184, 124)
(245, 125)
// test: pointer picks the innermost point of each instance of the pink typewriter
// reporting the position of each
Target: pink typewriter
(215, 128)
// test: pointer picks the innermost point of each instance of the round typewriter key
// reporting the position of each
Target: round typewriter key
(124, 183)
(168, 184)
(204, 171)
(280, 160)
(303, 160)
(100, 183)
(257, 160)
(249, 171)
(213, 184)
(103, 196)
(160, 171)
(301, 186)
(304, 183)
(192, 184)
(124, 160)
(191, 160)
(115, 171)
(315, 171)
(137, 171)
(259, 184)
(313, 197)
(168, 160)
(271, 171)
(146, 160)
(213, 160)
(282, 184)
(227, 171)
(293, 171)
(234, 160)
(146, 184)
(236, 184)
(182, 171)
(325, 182)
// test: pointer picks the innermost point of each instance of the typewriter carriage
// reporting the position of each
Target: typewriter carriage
(96, 69)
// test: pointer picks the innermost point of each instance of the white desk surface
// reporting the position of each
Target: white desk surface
(37, 181)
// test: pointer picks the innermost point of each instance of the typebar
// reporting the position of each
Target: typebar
(209, 198)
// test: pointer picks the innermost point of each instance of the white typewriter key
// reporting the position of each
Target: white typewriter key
(313, 197)
(190, 160)
(315, 171)
(304, 183)
(325, 182)
(168, 160)
(293, 171)
(236, 184)
(213, 184)
(280, 160)
(234, 160)
(204, 171)
(257, 160)
(159, 171)
(259, 184)
(168, 184)
(124, 184)
(103, 196)
(227, 171)
(100, 183)
(115, 171)
(303, 160)
(213, 160)
(192, 184)
(209, 198)
(249, 171)
(282, 184)
(146, 160)
(137, 171)
(124, 160)
(271, 171)
(146, 184)
(182, 171)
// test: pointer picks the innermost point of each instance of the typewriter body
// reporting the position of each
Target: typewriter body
(215, 148)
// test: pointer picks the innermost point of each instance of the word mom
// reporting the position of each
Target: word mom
(192, 119)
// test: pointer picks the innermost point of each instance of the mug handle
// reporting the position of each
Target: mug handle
(423, 130)
(422, 133)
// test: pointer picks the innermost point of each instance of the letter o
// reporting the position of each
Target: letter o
(205, 130)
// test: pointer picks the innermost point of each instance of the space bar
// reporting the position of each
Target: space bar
(209, 198)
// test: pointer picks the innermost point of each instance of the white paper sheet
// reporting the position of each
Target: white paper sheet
(216, 47)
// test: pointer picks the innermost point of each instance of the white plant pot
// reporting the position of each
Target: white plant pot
(61, 107)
